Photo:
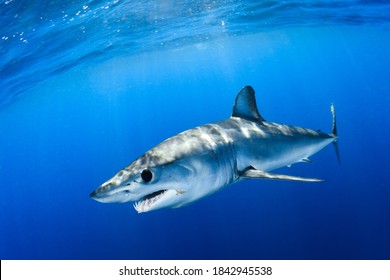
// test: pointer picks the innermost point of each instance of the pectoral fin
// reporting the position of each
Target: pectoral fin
(258, 174)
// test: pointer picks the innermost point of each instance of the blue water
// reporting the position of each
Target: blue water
(88, 86)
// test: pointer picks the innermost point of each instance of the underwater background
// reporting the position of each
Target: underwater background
(88, 86)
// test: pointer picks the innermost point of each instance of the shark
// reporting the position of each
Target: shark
(206, 159)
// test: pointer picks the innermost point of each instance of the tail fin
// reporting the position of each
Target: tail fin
(334, 132)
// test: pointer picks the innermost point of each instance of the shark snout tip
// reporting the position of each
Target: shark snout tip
(93, 194)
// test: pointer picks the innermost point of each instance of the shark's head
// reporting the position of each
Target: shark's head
(150, 187)
(153, 181)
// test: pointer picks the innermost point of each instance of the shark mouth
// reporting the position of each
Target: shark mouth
(148, 201)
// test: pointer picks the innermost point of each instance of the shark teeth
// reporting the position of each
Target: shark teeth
(148, 201)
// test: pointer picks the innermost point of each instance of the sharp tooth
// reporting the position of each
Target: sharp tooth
(144, 205)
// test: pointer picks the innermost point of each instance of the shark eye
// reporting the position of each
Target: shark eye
(146, 175)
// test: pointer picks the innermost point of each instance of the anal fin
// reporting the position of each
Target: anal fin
(258, 174)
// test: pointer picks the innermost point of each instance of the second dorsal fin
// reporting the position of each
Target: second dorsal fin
(245, 105)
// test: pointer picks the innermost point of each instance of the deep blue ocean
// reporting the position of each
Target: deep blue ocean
(88, 86)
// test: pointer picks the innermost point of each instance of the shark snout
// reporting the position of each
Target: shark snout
(96, 195)
(100, 196)
(109, 193)
(92, 194)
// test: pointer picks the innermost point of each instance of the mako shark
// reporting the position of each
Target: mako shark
(203, 160)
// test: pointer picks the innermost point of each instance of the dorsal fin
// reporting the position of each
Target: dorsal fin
(245, 105)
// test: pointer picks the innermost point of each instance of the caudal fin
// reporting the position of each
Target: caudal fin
(334, 132)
